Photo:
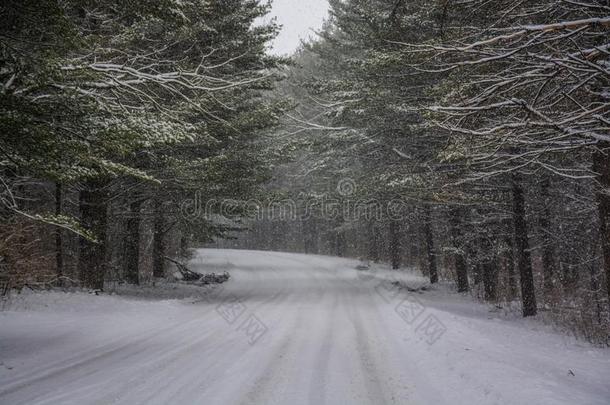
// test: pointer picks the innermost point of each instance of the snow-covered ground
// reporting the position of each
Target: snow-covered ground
(287, 329)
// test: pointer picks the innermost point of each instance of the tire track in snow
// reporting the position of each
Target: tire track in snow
(369, 370)
(280, 367)
(276, 358)
(319, 372)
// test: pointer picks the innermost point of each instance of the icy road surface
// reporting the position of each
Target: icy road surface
(288, 329)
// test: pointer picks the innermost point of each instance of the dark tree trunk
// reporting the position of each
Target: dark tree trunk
(415, 251)
(461, 270)
(602, 167)
(59, 254)
(432, 271)
(184, 243)
(373, 239)
(475, 270)
(489, 271)
(340, 243)
(595, 289)
(510, 268)
(462, 273)
(159, 241)
(311, 235)
(548, 253)
(524, 260)
(132, 243)
(490, 277)
(394, 234)
(490, 280)
(92, 255)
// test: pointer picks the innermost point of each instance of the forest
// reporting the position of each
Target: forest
(468, 140)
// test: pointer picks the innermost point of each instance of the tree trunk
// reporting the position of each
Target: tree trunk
(340, 243)
(158, 241)
(510, 268)
(594, 287)
(394, 244)
(461, 270)
(489, 271)
(490, 280)
(548, 253)
(184, 243)
(132, 244)
(373, 239)
(59, 257)
(311, 235)
(92, 255)
(432, 271)
(602, 167)
(524, 260)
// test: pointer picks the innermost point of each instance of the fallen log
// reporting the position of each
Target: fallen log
(185, 272)
(198, 278)
(214, 278)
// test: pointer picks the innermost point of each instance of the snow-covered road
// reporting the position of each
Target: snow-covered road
(289, 329)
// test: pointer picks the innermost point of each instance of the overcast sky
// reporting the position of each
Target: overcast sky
(298, 18)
